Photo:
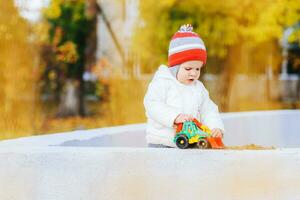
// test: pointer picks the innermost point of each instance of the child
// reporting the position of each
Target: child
(175, 94)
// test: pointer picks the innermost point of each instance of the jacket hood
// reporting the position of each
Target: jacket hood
(164, 73)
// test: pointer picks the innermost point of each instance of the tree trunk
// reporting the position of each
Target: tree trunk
(69, 100)
(228, 75)
(89, 57)
(91, 43)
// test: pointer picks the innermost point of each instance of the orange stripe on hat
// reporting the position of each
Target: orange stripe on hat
(188, 55)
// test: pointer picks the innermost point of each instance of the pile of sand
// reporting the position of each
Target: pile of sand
(249, 147)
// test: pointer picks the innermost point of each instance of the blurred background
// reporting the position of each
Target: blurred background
(78, 64)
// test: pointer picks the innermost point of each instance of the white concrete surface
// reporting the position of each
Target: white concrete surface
(108, 164)
(59, 173)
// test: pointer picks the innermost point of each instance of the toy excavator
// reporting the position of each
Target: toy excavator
(192, 132)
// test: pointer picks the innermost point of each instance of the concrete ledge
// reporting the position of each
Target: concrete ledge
(143, 173)
(111, 163)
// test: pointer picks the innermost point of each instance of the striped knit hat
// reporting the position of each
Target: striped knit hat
(185, 46)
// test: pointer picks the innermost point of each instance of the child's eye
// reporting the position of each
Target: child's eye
(197, 69)
(188, 69)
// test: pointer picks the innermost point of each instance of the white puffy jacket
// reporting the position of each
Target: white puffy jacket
(166, 98)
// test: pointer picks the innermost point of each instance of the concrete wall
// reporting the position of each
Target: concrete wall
(107, 164)
(267, 128)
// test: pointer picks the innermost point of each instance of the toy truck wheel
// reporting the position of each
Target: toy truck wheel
(202, 144)
(182, 142)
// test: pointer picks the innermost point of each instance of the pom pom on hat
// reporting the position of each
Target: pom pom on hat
(185, 46)
(186, 28)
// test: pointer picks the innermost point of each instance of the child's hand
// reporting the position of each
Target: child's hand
(183, 118)
(216, 132)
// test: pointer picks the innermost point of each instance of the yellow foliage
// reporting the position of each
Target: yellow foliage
(18, 75)
(53, 11)
(67, 52)
(125, 104)
(41, 32)
(295, 36)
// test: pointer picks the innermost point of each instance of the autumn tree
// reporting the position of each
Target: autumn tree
(72, 39)
(18, 75)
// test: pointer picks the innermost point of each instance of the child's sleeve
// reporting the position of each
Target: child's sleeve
(155, 105)
(209, 112)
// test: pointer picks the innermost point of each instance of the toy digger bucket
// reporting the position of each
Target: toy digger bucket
(215, 142)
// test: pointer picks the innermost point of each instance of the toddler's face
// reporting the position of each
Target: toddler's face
(189, 72)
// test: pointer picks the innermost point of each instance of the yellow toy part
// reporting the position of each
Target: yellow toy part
(194, 139)
(205, 129)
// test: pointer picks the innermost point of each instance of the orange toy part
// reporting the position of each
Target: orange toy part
(179, 127)
(219, 142)
(197, 123)
(216, 142)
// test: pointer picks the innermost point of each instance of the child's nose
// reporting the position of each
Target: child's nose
(193, 73)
